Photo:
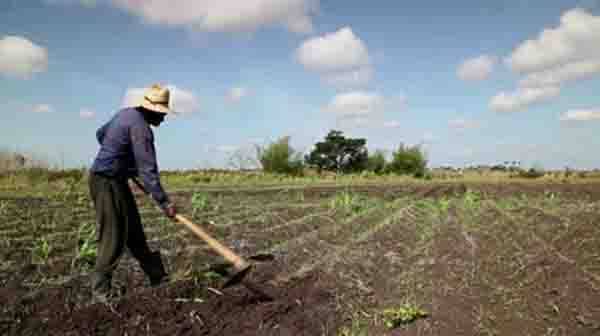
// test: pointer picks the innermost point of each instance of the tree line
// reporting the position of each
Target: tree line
(342, 155)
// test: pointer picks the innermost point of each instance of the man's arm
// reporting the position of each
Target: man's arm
(100, 133)
(142, 143)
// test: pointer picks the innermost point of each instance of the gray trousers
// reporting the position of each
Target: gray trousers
(118, 225)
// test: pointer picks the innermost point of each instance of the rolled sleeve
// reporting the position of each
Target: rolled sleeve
(142, 142)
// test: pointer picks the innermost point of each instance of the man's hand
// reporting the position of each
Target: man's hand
(170, 210)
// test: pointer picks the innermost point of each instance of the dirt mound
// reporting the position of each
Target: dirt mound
(304, 307)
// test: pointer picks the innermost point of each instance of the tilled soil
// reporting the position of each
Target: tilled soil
(511, 259)
(303, 307)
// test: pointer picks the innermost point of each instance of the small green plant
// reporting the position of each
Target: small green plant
(406, 313)
(349, 202)
(471, 199)
(41, 251)
(199, 202)
(86, 245)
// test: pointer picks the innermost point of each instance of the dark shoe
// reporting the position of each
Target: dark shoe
(101, 282)
(155, 270)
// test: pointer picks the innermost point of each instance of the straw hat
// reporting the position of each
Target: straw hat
(156, 98)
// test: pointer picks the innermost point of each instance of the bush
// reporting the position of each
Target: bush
(279, 157)
(408, 160)
(376, 162)
(531, 173)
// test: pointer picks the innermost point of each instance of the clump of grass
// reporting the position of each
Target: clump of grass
(200, 202)
(471, 199)
(350, 203)
(86, 245)
(41, 250)
(404, 314)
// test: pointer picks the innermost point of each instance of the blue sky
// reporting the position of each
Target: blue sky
(477, 82)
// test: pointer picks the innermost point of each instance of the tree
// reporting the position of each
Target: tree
(376, 162)
(408, 160)
(339, 154)
(280, 157)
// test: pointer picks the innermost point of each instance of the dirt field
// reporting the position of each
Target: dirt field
(478, 259)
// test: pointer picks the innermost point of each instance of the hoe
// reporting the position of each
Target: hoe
(241, 267)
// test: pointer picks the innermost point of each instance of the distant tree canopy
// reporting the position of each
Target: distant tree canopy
(339, 154)
(408, 160)
(280, 157)
(376, 162)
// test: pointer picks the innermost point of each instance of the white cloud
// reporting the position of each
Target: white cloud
(341, 58)
(225, 15)
(182, 101)
(42, 108)
(86, 113)
(575, 39)
(558, 55)
(341, 50)
(477, 68)
(581, 115)
(21, 58)
(356, 105)
(522, 97)
(236, 94)
(562, 74)
(463, 124)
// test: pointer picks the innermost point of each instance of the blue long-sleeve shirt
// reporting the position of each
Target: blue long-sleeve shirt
(127, 150)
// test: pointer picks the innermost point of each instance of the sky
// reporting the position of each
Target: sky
(473, 82)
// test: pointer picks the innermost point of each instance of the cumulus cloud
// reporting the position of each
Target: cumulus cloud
(575, 39)
(463, 124)
(236, 94)
(341, 58)
(21, 58)
(341, 50)
(581, 115)
(356, 105)
(477, 68)
(182, 101)
(42, 108)
(86, 113)
(225, 15)
(566, 53)
(562, 74)
(522, 97)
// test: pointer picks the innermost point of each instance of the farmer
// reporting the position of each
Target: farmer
(127, 150)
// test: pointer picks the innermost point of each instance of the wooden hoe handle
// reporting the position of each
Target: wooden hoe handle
(238, 262)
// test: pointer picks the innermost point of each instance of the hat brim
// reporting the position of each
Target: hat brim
(155, 107)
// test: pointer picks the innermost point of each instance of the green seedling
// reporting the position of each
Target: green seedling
(471, 199)
(199, 202)
(349, 202)
(86, 247)
(41, 251)
(406, 313)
